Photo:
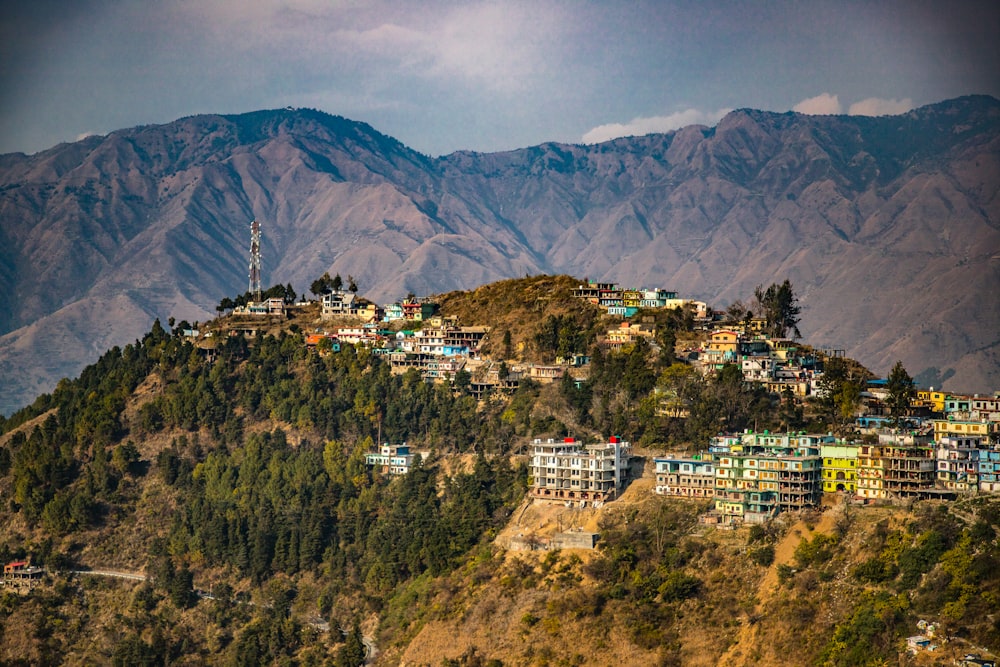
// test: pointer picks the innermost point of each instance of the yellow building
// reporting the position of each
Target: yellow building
(632, 298)
(947, 427)
(840, 468)
(722, 347)
(933, 400)
(618, 338)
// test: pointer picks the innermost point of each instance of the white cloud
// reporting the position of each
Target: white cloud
(497, 46)
(821, 105)
(407, 46)
(640, 126)
(874, 106)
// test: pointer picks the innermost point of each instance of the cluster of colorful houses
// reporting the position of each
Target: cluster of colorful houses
(626, 301)
(779, 364)
(342, 303)
(753, 477)
(438, 350)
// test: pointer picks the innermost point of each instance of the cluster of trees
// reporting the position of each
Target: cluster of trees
(254, 500)
(563, 335)
(284, 292)
(325, 283)
(266, 507)
(251, 500)
(83, 443)
(841, 383)
(644, 558)
(844, 380)
(629, 394)
(778, 305)
(934, 566)
(350, 395)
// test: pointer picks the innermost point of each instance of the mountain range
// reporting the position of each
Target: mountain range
(888, 227)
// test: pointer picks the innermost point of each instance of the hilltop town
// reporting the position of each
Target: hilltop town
(563, 454)
(935, 445)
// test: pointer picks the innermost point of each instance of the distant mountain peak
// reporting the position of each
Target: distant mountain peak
(872, 218)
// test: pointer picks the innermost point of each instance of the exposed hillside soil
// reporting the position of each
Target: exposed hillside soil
(746, 650)
(544, 518)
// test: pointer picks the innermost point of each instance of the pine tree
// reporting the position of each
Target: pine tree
(321, 285)
(900, 390)
(352, 653)
(778, 305)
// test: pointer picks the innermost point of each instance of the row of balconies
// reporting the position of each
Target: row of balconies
(910, 465)
(686, 480)
(946, 475)
(909, 476)
(684, 491)
(908, 485)
(797, 490)
(562, 473)
(581, 485)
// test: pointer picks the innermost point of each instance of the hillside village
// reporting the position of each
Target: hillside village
(309, 443)
(942, 446)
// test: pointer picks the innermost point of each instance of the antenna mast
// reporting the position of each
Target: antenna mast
(255, 260)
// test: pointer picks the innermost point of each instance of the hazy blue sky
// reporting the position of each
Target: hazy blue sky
(442, 76)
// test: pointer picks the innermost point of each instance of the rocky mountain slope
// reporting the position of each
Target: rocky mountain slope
(889, 228)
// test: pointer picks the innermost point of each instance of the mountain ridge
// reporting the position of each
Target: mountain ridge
(103, 234)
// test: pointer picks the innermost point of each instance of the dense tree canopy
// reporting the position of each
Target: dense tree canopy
(778, 305)
(900, 390)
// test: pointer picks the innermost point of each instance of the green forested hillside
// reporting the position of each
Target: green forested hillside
(242, 503)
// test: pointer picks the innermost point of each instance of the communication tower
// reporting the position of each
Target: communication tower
(255, 260)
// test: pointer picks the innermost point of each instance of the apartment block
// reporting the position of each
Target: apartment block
(687, 477)
(958, 463)
(899, 466)
(840, 467)
(570, 470)
(766, 474)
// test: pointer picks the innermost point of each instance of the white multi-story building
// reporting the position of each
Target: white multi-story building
(337, 302)
(958, 463)
(570, 470)
(391, 459)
